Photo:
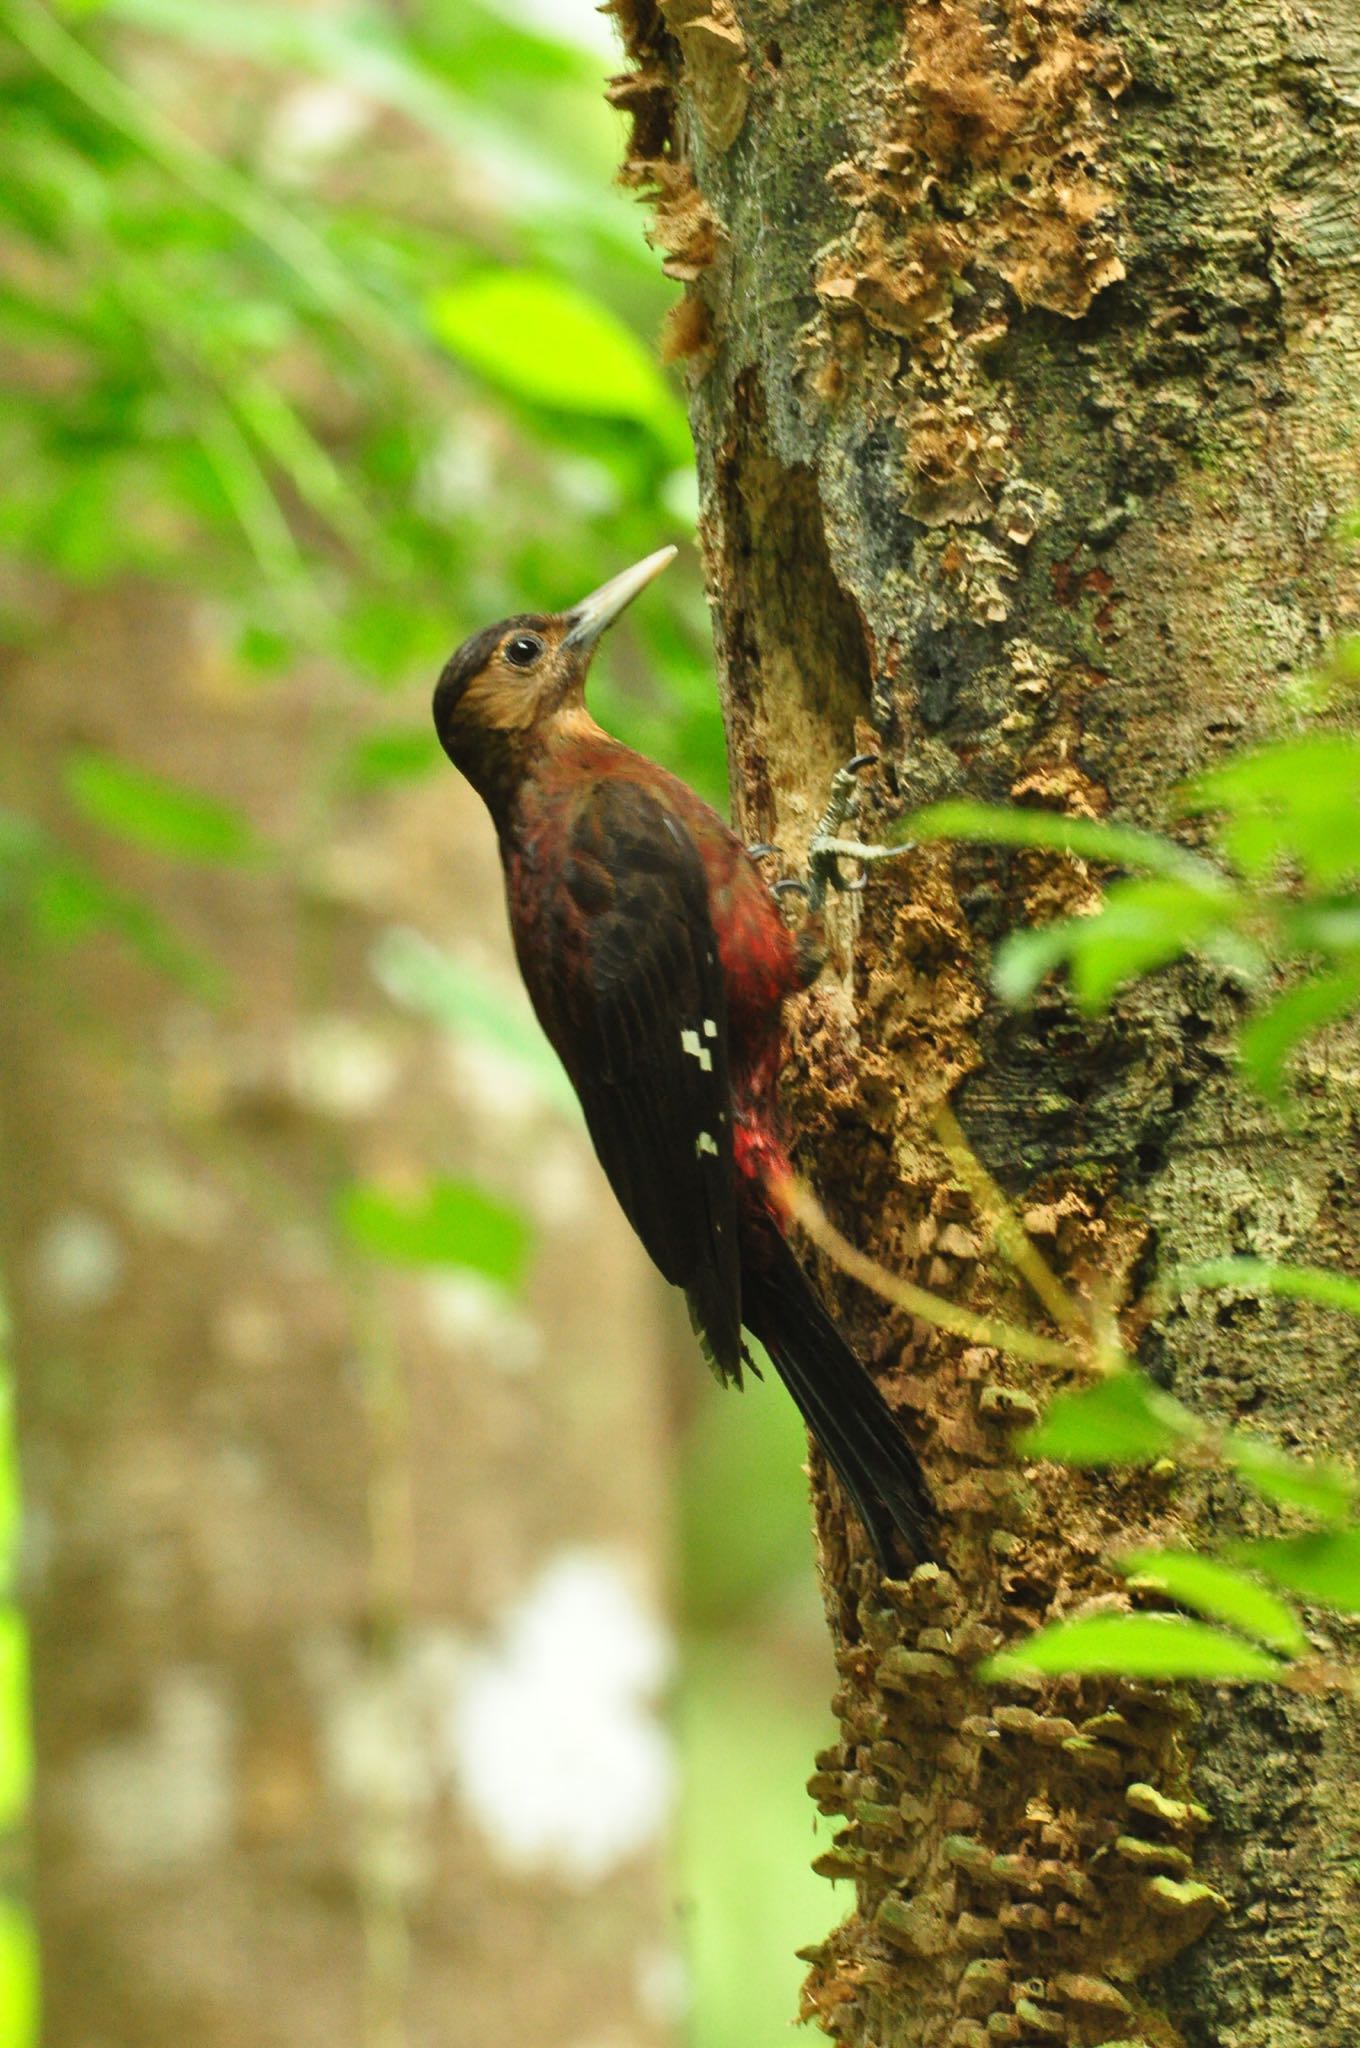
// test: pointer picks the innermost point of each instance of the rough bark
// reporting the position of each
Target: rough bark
(304, 1536)
(1024, 344)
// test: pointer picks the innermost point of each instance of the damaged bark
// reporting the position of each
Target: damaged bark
(1023, 343)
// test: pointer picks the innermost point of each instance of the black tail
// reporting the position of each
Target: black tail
(839, 1401)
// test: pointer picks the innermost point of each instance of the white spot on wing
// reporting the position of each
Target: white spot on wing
(689, 1042)
(710, 1028)
(705, 1143)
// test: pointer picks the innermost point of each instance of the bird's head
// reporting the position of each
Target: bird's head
(508, 683)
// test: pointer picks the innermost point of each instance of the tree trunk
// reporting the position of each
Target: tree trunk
(314, 1547)
(1024, 344)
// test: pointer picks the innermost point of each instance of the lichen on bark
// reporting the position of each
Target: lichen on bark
(1022, 356)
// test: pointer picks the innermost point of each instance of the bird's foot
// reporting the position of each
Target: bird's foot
(787, 885)
(827, 849)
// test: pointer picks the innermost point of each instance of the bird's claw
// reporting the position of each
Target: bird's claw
(786, 885)
(828, 849)
(824, 857)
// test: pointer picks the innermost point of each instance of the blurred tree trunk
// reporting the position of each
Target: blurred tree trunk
(317, 1551)
(1024, 346)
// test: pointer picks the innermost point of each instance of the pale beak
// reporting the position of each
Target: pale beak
(590, 618)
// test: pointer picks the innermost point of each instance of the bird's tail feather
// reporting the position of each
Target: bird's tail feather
(839, 1401)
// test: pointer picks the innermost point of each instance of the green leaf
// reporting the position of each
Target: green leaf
(1323, 1568)
(82, 534)
(1296, 801)
(1121, 1420)
(1260, 1276)
(67, 904)
(1323, 1491)
(18, 1977)
(1155, 1646)
(447, 1223)
(157, 813)
(387, 757)
(16, 1757)
(1139, 926)
(545, 186)
(11, 1505)
(1266, 1042)
(1215, 1589)
(1090, 838)
(529, 333)
(1320, 924)
(390, 640)
(1024, 958)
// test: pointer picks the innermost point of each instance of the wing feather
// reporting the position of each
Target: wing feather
(631, 991)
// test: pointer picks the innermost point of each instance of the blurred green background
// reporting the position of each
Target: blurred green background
(365, 360)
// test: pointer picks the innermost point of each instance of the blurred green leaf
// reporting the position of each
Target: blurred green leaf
(1155, 1646)
(19, 2000)
(157, 813)
(209, 181)
(79, 533)
(1323, 1491)
(1267, 1039)
(446, 72)
(1260, 1276)
(1324, 1569)
(1215, 1589)
(16, 1760)
(750, 1451)
(241, 341)
(1120, 1420)
(9, 1477)
(387, 639)
(1088, 838)
(67, 904)
(1320, 924)
(1298, 801)
(387, 757)
(748, 1723)
(447, 1223)
(539, 338)
(1138, 927)
(1025, 957)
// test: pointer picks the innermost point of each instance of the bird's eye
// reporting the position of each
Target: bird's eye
(523, 651)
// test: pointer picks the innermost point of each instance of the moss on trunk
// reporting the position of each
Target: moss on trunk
(1023, 344)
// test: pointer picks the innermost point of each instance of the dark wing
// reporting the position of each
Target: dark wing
(634, 999)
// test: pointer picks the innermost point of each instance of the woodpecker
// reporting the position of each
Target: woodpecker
(658, 962)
